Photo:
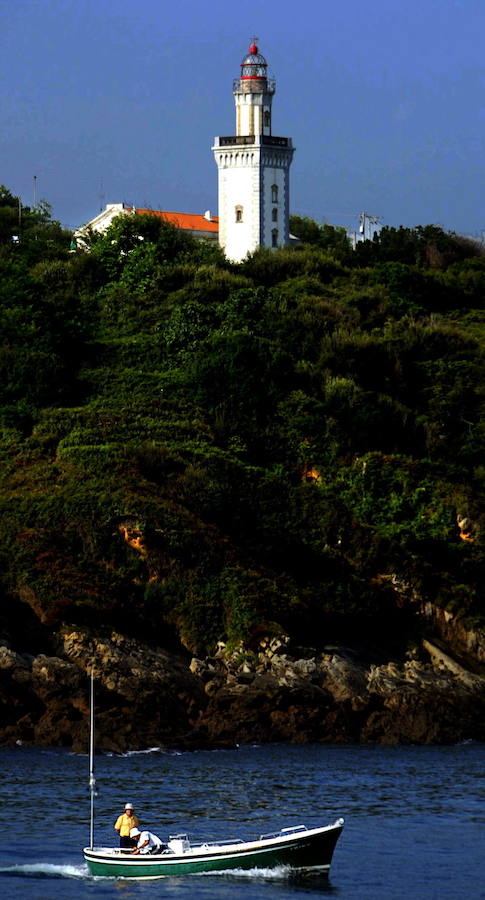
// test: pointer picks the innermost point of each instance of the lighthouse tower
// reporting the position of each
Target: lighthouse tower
(254, 167)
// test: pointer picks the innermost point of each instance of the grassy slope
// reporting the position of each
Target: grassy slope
(200, 452)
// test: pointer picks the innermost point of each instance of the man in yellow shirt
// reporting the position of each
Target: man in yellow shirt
(124, 824)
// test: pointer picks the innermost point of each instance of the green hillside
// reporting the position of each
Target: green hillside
(194, 451)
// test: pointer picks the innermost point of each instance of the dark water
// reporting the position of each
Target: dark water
(414, 816)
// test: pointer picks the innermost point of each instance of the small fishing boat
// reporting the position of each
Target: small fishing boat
(296, 847)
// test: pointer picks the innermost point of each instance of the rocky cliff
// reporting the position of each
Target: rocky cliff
(147, 696)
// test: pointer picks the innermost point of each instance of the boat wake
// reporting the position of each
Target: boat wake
(277, 874)
(158, 750)
(44, 870)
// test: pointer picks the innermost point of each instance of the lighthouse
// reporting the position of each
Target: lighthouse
(253, 166)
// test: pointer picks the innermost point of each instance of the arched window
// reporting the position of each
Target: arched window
(274, 237)
(274, 193)
(274, 214)
(239, 213)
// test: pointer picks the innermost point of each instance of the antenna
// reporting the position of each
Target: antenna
(35, 191)
(92, 780)
(102, 196)
(367, 224)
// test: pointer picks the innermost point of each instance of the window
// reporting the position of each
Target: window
(239, 213)
(267, 119)
(274, 237)
(274, 215)
(274, 193)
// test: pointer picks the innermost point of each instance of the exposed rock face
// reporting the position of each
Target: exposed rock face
(335, 696)
(144, 697)
(149, 697)
(468, 645)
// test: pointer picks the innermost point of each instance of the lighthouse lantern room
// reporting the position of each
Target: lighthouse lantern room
(253, 167)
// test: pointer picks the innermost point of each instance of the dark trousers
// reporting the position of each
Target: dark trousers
(127, 842)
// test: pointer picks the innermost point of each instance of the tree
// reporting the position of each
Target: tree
(426, 246)
(142, 243)
(328, 237)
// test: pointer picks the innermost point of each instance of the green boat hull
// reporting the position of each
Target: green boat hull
(307, 849)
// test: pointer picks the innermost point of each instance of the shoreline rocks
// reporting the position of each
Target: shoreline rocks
(147, 696)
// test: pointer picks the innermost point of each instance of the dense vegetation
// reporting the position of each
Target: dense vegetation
(203, 451)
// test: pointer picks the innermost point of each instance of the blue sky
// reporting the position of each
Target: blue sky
(110, 101)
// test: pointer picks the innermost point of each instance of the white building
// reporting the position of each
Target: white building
(254, 168)
(203, 227)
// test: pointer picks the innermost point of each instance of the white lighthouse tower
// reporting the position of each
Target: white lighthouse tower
(254, 167)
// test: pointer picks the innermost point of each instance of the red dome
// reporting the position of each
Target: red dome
(253, 49)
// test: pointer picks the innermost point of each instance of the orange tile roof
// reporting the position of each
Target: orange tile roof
(186, 221)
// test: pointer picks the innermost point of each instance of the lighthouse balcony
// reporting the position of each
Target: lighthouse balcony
(239, 139)
(244, 139)
(272, 141)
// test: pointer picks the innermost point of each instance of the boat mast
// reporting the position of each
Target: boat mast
(92, 780)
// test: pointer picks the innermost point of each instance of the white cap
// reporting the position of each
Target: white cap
(135, 832)
(128, 805)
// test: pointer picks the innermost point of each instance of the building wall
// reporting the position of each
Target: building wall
(250, 113)
(103, 220)
(239, 190)
(275, 173)
(248, 175)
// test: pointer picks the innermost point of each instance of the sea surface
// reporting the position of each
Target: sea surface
(414, 819)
